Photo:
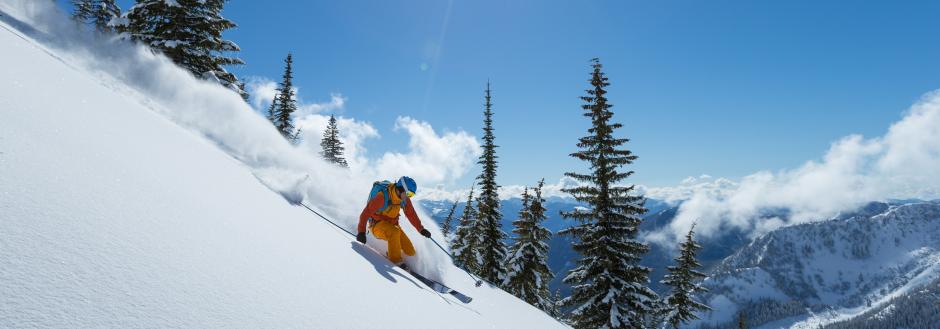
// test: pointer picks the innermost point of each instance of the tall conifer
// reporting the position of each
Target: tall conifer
(609, 287)
(492, 248)
(332, 146)
(285, 103)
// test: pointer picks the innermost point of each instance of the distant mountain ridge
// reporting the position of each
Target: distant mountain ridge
(834, 272)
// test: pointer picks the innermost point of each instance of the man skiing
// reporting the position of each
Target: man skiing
(386, 201)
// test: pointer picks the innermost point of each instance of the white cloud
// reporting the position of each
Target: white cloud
(670, 194)
(904, 163)
(549, 190)
(352, 133)
(439, 193)
(261, 91)
(431, 158)
(336, 103)
(687, 188)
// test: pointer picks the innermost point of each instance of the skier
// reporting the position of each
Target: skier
(386, 200)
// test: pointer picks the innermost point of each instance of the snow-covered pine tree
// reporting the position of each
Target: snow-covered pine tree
(285, 103)
(742, 320)
(449, 220)
(609, 287)
(295, 137)
(98, 13)
(491, 248)
(332, 145)
(556, 309)
(104, 14)
(511, 282)
(465, 244)
(527, 272)
(189, 32)
(681, 305)
(656, 318)
(82, 10)
(272, 110)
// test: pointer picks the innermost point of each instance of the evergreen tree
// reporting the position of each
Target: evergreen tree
(465, 243)
(491, 248)
(609, 287)
(272, 110)
(189, 32)
(742, 321)
(244, 92)
(104, 15)
(295, 137)
(681, 304)
(656, 318)
(449, 220)
(101, 14)
(527, 272)
(332, 146)
(285, 103)
(556, 310)
(511, 282)
(82, 11)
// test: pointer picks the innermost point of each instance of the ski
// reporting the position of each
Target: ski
(434, 285)
(441, 288)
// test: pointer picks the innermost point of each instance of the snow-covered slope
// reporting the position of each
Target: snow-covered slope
(812, 275)
(132, 195)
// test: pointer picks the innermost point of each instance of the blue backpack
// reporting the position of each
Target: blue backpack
(382, 186)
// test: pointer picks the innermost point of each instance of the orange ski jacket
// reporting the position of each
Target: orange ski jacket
(390, 214)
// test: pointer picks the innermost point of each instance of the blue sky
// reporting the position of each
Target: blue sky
(724, 88)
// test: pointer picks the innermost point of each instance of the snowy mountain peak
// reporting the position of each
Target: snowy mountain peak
(829, 271)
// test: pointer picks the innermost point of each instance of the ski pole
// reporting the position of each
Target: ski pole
(478, 282)
(324, 218)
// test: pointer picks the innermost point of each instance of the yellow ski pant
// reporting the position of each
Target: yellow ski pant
(397, 240)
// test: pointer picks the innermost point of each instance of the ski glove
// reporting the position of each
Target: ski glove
(426, 233)
(361, 237)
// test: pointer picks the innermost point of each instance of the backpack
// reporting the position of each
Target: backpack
(382, 186)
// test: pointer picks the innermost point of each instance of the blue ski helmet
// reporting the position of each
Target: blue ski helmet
(407, 184)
